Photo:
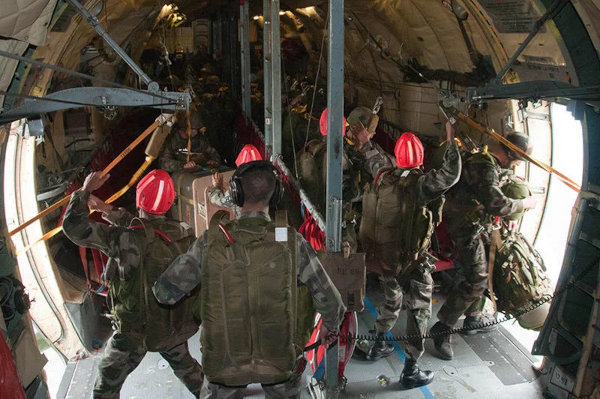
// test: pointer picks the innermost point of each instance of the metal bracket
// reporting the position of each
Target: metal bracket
(532, 91)
(103, 97)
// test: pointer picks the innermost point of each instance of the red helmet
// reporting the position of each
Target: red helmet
(155, 192)
(249, 153)
(409, 151)
(323, 124)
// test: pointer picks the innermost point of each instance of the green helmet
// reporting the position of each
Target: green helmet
(521, 140)
(516, 188)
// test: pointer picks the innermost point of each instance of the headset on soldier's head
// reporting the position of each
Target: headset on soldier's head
(235, 184)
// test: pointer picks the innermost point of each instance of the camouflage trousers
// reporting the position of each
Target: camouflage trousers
(124, 353)
(289, 389)
(466, 296)
(413, 289)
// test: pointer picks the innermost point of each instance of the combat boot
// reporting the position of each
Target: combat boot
(412, 376)
(380, 349)
(442, 342)
(479, 324)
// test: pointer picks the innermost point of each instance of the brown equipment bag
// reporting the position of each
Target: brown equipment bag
(349, 275)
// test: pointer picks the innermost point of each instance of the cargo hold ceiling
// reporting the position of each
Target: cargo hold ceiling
(385, 39)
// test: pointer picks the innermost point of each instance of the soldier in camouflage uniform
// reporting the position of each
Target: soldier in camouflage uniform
(258, 183)
(174, 155)
(469, 212)
(405, 266)
(138, 329)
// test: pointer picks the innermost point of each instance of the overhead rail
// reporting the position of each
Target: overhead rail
(93, 21)
(484, 129)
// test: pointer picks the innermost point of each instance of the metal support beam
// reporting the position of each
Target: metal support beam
(93, 21)
(533, 90)
(335, 114)
(267, 75)
(245, 59)
(276, 78)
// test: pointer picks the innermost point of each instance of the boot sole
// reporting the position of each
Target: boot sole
(412, 386)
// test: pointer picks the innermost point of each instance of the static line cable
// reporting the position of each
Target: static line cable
(78, 74)
(312, 104)
(530, 307)
(23, 96)
(392, 59)
(483, 129)
(159, 121)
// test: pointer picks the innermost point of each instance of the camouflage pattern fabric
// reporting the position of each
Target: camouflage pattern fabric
(124, 353)
(174, 153)
(184, 274)
(220, 198)
(478, 185)
(414, 281)
(125, 251)
(417, 283)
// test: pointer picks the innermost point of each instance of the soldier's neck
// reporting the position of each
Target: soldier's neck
(255, 208)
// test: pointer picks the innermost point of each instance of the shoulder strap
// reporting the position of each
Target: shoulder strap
(139, 224)
(217, 223)
(281, 222)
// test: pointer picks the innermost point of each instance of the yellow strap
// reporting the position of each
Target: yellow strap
(110, 166)
(476, 125)
(494, 244)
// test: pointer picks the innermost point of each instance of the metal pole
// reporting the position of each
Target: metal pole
(335, 113)
(267, 56)
(92, 20)
(245, 59)
(550, 14)
(276, 78)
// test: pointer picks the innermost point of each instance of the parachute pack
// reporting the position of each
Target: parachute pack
(520, 280)
(311, 169)
(519, 275)
(395, 229)
(132, 301)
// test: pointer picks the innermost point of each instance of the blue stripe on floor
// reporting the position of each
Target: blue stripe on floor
(426, 392)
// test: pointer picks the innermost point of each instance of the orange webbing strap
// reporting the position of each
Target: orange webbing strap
(495, 243)
(481, 128)
(110, 166)
(113, 198)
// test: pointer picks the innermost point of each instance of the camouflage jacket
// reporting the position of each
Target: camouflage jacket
(174, 153)
(184, 274)
(116, 241)
(479, 186)
(432, 184)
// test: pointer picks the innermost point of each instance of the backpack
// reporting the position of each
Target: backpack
(395, 229)
(312, 169)
(249, 284)
(134, 308)
(519, 279)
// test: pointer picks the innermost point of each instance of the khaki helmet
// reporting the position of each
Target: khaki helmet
(365, 116)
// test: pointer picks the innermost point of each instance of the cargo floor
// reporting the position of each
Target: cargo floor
(492, 365)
